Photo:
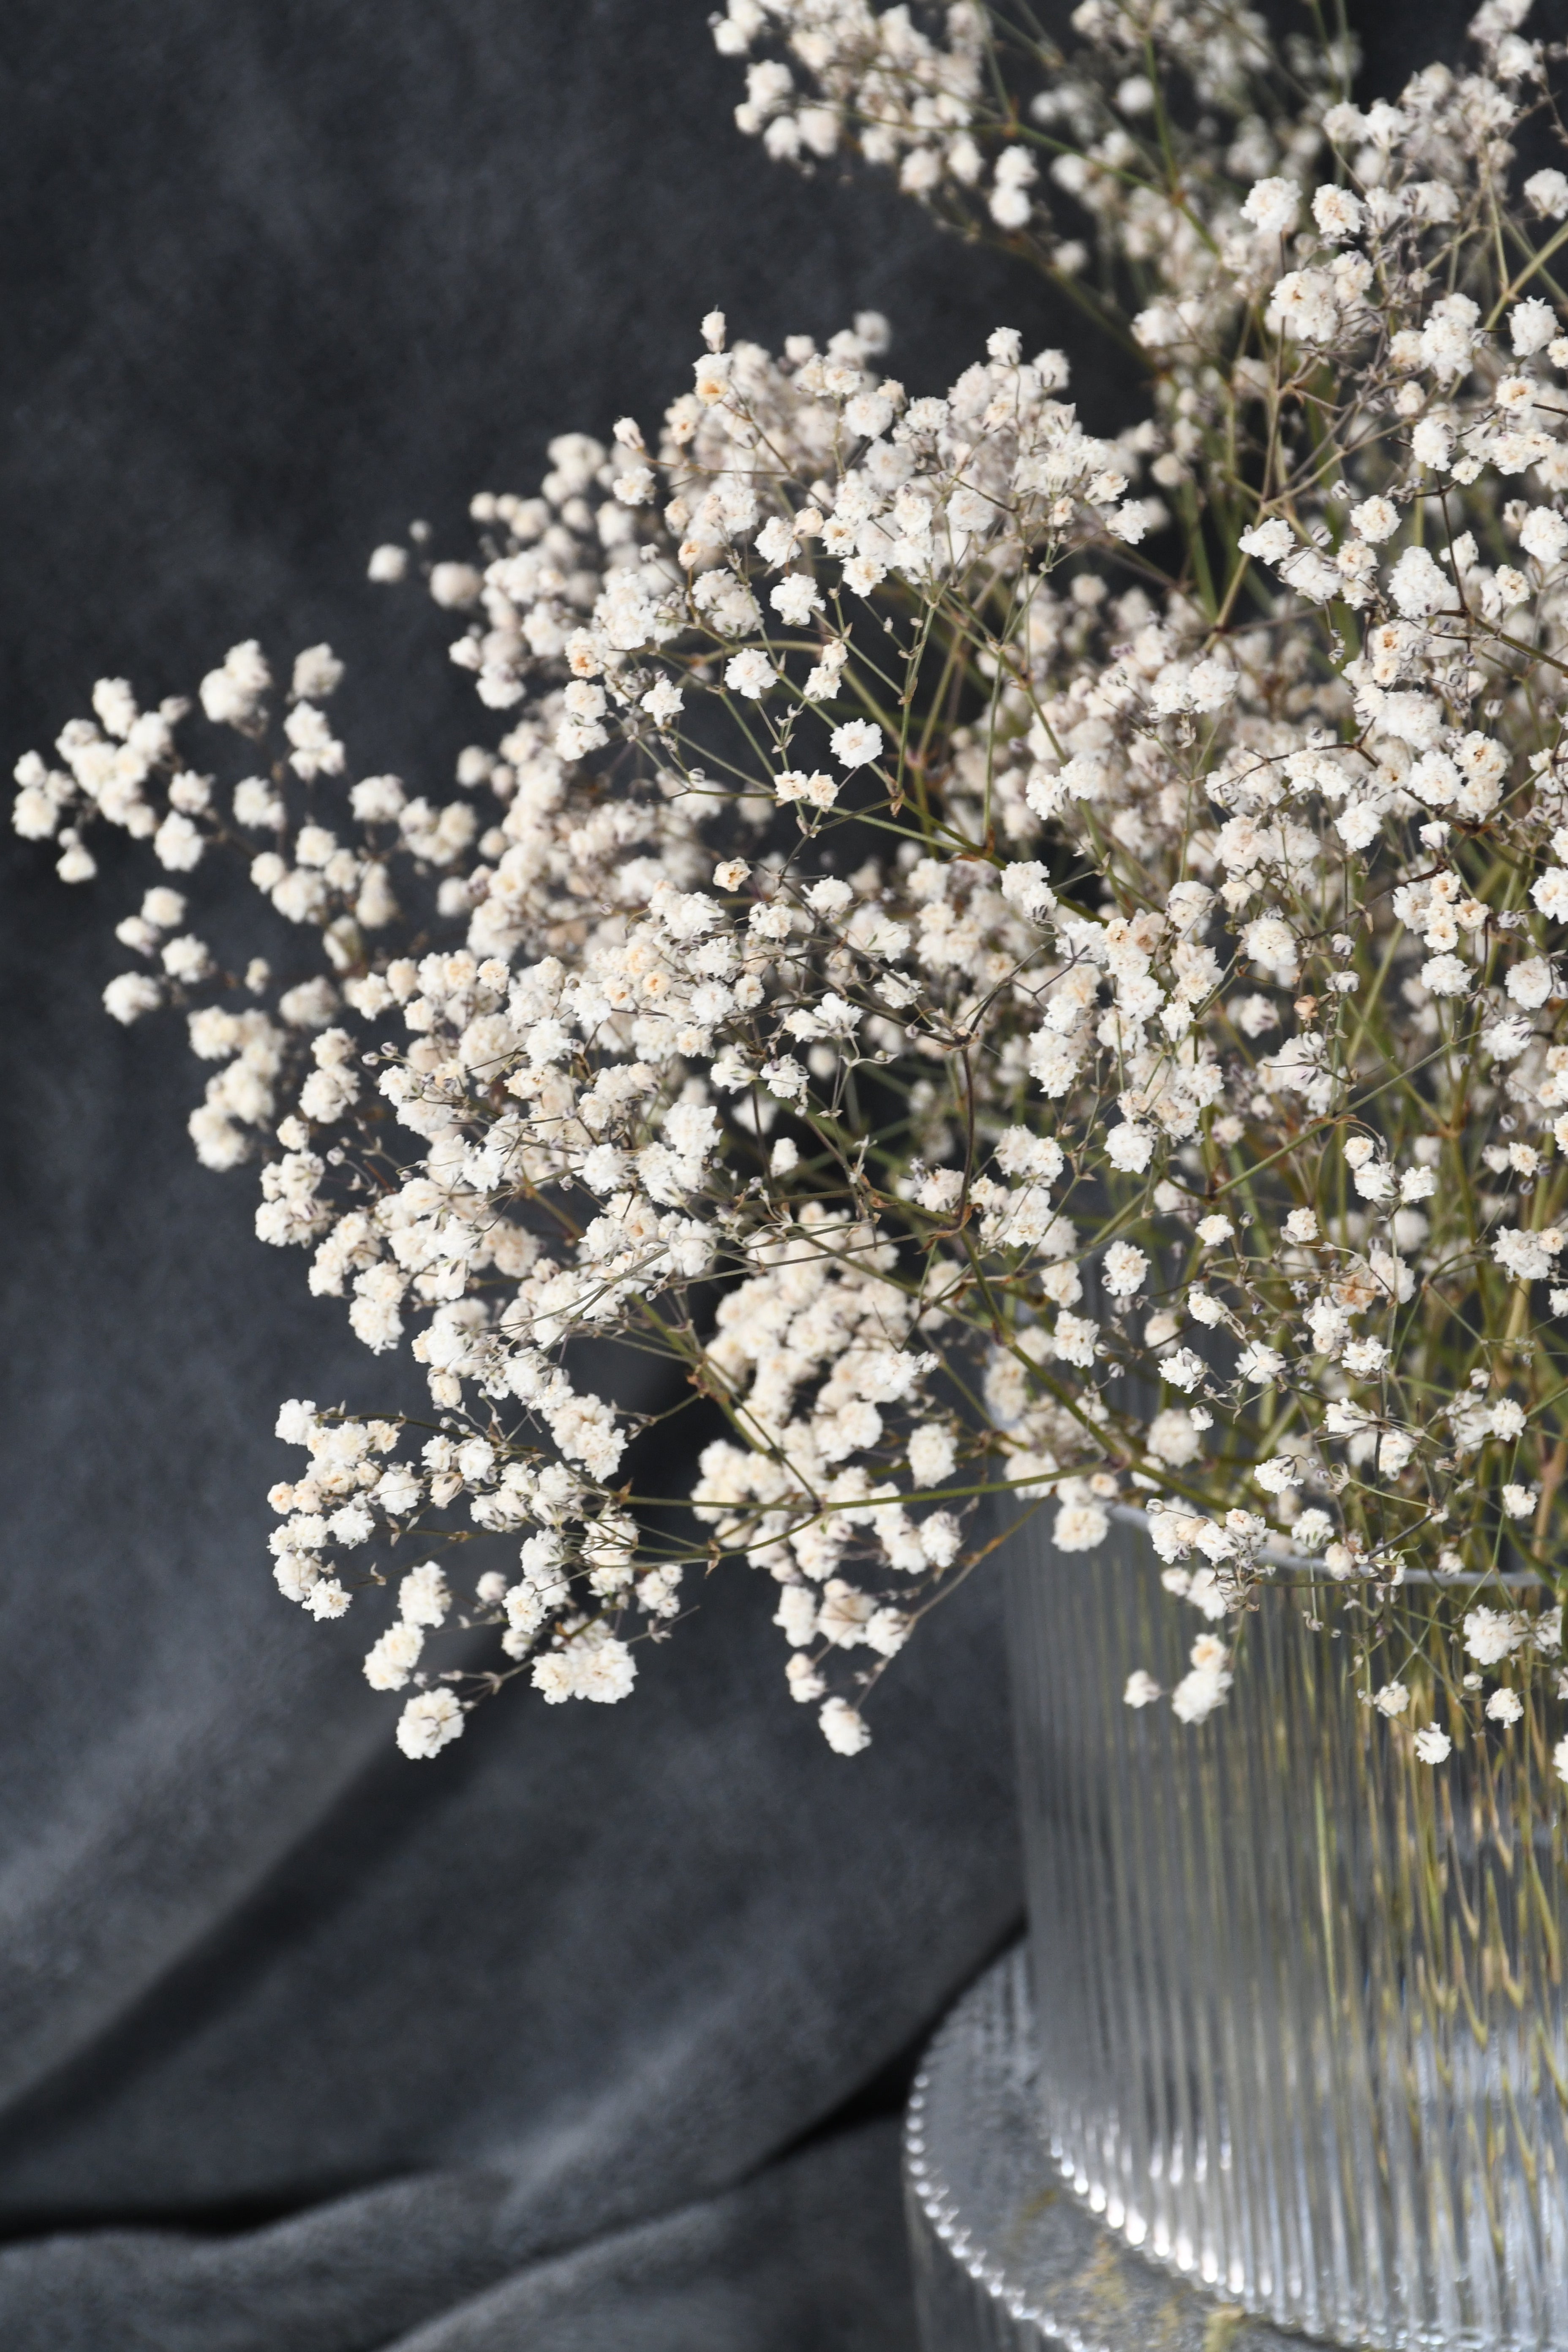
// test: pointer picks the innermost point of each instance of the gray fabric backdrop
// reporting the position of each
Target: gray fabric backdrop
(592, 2033)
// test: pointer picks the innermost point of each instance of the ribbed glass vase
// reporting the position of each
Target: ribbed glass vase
(1300, 1997)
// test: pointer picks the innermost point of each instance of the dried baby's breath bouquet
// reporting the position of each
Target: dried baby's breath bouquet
(1022, 962)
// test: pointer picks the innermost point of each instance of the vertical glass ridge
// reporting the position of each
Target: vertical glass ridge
(1299, 1996)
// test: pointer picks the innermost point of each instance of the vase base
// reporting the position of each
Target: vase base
(1006, 2259)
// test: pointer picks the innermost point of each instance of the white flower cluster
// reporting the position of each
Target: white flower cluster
(980, 117)
(1018, 983)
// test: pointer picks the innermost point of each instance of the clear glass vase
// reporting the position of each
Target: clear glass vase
(1299, 1996)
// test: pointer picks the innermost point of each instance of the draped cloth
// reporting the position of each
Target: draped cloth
(591, 2033)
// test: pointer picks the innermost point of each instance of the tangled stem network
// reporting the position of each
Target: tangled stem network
(1021, 963)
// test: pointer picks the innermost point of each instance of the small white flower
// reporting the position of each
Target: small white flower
(1274, 207)
(1431, 444)
(862, 573)
(1547, 192)
(795, 598)
(1173, 1437)
(857, 743)
(1302, 304)
(422, 1598)
(392, 1658)
(1123, 1269)
(1198, 1694)
(1532, 324)
(429, 1722)
(1130, 1146)
(455, 586)
(1544, 534)
(177, 845)
(1375, 519)
(1271, 542)
(750, 673)
(1075, 1339)
(318, 674)
(940, 1537)
(845, 1731)
(1492, 1635)
(818, 791)
(932, 1453)
(130, 995)
(1338, 213)
(1447, 976)
(805, 1682)
(1417, 584)
(1080, 1527)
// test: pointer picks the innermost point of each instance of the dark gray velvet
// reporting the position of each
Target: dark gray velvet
(548, 2042)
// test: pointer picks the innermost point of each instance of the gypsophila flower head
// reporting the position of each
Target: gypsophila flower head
(931, 1454)
(1080, 1527)
(1204, 1687)
(1492, 1635)
(1339, 214)
(1546, 192)
(844, 1730)
(1273, 206)
(856, 742)
(1125, 1269)
(429, 1723)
